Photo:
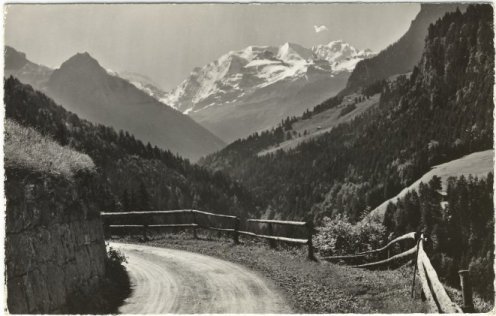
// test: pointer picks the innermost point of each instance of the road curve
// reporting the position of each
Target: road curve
(174, 281)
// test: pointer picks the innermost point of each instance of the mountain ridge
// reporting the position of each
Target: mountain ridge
(83, 86)
(254, 88)
(440, 112)
(401, 56)
(17, 65)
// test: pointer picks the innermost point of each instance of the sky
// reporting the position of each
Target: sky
(166, 41)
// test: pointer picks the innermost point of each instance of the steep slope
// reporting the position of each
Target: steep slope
(88, 90)
(312, 125)
(253, 89)
(441, 112)
(17, 65)
(478, 164)
(137, 176)
(145, 84)
(401, 56)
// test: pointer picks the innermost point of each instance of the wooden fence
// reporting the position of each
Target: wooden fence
(146, 220)
(386, 249)
(435, 294)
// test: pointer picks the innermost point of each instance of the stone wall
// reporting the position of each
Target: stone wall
(54, 245)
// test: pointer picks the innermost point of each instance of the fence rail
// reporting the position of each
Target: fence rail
(435, 294)
(396, 258)
(235, 231)
(144, 213)
(269, 221)
(409, 236)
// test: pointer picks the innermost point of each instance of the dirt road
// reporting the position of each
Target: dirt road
(175, 281)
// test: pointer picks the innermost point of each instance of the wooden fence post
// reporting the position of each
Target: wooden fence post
(468, 304)
(272, 243)
(309, 226)
(236, 231)
(195, 236)
(106, 229)
(145, 228)
(415, 264)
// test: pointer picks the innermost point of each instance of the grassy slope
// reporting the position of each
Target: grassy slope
(323, 122)
(25, 148)
(313, 287)
(476, 164)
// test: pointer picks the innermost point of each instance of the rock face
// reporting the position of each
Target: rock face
(255, 88)
(401, 56)
(17, 65)
(54, 248)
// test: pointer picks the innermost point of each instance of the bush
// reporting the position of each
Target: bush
(338, 236)
(117, 286)
(113, 290)
(115, 258)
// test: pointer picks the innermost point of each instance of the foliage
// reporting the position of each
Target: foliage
(460, 227)
(349, 108)
(116, 285)
(113, 289)
(441, 112)
(115, 257)
(25, 148)
(338, 236)
(401, 56)
(150, 177)
(376, 87)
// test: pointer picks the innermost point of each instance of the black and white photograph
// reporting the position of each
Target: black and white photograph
(248, 158)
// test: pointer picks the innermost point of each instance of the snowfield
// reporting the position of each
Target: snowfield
(261, 66)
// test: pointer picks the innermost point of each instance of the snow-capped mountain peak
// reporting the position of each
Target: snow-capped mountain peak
(238, 74)
(289, 52)
(336, 52)
(254, 88)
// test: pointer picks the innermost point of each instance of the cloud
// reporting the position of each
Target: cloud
(320, 28)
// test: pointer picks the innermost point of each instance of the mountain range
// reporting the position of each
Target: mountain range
(355, 150)
(255, 88)
(85, 88)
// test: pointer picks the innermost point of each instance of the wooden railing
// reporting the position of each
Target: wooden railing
(386, 262)
(436, 297)
(272, 239)
(144, 220)
(435, 294)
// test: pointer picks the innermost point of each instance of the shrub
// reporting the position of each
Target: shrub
(338, 236)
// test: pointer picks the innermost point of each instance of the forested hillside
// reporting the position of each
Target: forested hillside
(138, 176)
(459, 225)
(439, 113)
(401, 56)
